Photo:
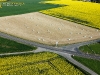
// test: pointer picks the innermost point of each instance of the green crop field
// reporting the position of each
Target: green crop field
(90, 63)
(23, 6)
(85, 13)
(44, 63)
(8, 46)
(91, 48)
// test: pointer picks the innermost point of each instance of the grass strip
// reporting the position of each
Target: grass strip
(90, 63)
(9, 46)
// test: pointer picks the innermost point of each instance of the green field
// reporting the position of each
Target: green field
(91, 48)
(90, 63)
(8, 46)
(44, 63)
(86, 13)
(28, 6)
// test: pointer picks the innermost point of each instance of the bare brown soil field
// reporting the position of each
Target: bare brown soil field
(45, 29)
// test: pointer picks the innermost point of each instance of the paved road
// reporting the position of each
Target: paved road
(66, 49)
(69, 58)
(65, 55)
(63, 51)
(77, 45)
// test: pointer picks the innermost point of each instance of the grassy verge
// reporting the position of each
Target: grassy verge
(8, 46)
(90, 63)
(85, 13)
(28, 6)
(91, 48)
(44, 63)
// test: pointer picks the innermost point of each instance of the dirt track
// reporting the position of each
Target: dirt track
(46, 29)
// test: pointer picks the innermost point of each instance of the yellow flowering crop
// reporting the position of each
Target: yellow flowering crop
(3, 0)
(37, 64)
(86, 13)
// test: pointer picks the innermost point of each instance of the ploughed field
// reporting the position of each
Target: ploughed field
(45, 29)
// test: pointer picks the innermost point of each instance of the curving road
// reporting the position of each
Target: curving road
(65, 51)
(71, 49)
(65, 55)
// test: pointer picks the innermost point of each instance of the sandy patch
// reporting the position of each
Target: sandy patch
(46, 29)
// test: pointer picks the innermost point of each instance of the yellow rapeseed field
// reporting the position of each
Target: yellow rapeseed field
(3, 0)
(86, 13)
(45, 63)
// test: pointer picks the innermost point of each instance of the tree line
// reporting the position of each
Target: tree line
(97, 1)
